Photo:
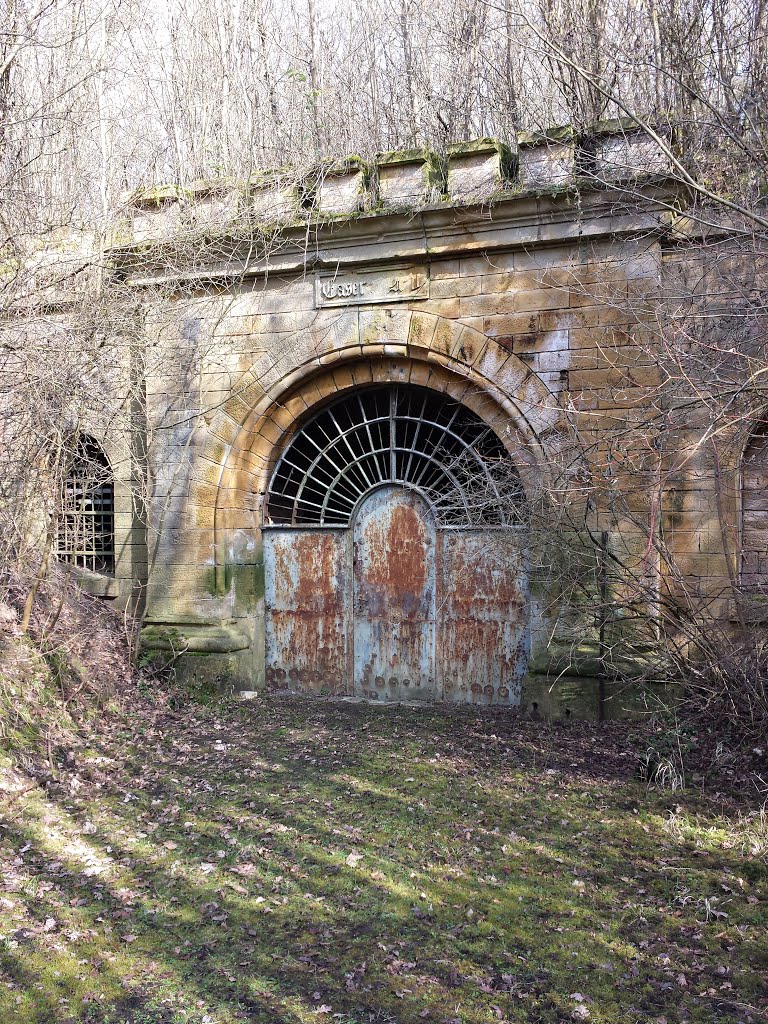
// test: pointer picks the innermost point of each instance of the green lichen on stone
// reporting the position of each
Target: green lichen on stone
(156, 195)
(590, 660)
(194, 638)
(247, 583)
(120, 232)
(622, 125)
(547, 136)
(399, 157)
(258, 179)
(203, 187)
(435, 173)
(433, 169)
(282, 182)
(155, 638)
(373, 332)
(336, 168)
(473, 146)
(212, 581)
(160, 195)
(397, 209)
(309, 184)
(327, 217)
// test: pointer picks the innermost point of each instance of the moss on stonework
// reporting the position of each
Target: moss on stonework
(194, 638)
(588, 660)
(621, 125)
(156, 195)
(247, 582)
(519, 190)
(397, 209)
(435, 172)
(201, 188)
(211, 579)
(473, 146)
(317, 218)
(334, 168)
(266, 177)
(398, 157)
(547, 136)
(433, 166)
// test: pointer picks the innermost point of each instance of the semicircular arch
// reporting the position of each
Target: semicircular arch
(269, 404)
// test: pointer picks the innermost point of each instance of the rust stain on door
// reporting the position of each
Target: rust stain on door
(396, 608)
(484, 634)
(306, 628)
(394, 599)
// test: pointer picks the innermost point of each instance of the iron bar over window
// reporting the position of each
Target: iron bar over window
(395, 434)
(86, 532)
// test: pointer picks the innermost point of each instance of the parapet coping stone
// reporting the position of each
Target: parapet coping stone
(401, 157)
(302, 191)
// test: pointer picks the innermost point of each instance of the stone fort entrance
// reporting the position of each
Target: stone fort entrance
(395, 553)
(353, 429)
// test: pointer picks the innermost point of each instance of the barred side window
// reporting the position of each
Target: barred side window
(86, 528)
(754, 512)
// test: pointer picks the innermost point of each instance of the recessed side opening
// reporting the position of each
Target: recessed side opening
(85, 535)
(754, 513)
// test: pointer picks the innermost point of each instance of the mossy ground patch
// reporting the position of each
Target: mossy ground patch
(295, 861)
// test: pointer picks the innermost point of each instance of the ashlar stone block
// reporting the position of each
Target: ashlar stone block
(629, 154)
(409, 177)
(546, 159)
(154, 220)
(341, 186)
(273, 197)
(211, 209)
(478, 169)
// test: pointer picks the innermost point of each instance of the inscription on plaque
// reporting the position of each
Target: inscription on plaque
(358, 287)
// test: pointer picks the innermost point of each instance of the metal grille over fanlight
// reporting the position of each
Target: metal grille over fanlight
(395, 434)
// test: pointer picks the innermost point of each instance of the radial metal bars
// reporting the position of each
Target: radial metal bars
(398, 434)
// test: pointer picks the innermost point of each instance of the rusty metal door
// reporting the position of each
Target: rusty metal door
(306, 580)
(394, 583)
(484, 634)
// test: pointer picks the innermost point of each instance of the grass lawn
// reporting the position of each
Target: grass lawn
(285, 861)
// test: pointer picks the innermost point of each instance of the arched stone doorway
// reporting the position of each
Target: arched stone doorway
(395, 553)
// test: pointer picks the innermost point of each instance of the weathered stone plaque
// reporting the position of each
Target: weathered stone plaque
(359, 287)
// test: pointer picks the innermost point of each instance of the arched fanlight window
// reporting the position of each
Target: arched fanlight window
(86, 526)
(395, 434)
